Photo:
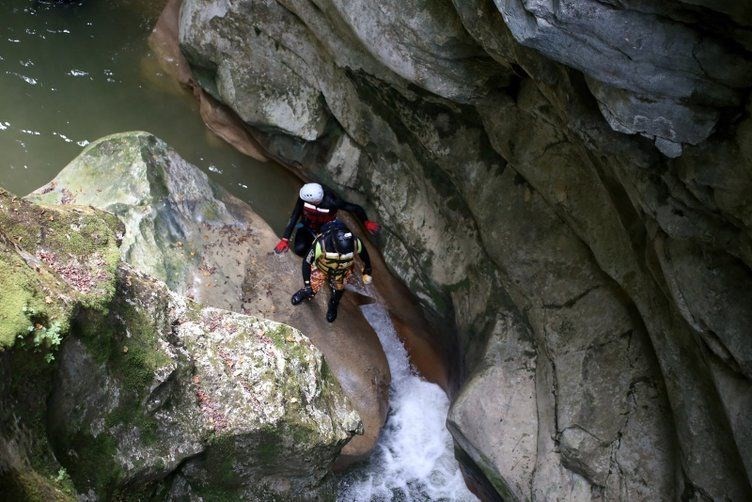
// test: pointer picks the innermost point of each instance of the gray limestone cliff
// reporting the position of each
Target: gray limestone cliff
(565, 184)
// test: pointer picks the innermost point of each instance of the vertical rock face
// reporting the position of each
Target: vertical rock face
(596, 280)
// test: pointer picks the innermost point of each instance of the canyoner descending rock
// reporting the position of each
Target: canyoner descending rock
(331, 261)
(315, 207)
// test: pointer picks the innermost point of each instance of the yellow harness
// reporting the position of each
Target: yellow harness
(334, 263)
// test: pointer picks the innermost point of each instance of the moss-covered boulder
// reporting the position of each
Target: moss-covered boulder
(54, 262)
(164, 396)
(113, 386)
(212, 247)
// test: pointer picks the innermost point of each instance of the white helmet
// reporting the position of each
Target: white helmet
(313, 193)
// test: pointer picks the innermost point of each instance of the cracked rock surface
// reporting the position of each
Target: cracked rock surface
(178, 400)
(578, 216)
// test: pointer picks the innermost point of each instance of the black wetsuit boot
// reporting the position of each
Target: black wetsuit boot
(301, 294)
(331, 312)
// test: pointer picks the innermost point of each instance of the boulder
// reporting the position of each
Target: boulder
(113, 385)
(213, 248)
(163, 397)
(54, 262)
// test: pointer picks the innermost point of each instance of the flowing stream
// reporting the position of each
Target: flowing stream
(70, 74)
(414, 459)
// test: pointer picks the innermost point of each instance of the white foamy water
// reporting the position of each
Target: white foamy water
(414, 459)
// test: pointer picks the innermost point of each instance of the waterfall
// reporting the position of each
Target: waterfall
(414, 459)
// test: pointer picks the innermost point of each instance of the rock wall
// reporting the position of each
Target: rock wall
(565, 184)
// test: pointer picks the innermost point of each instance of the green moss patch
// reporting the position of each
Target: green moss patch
(92, 464)
(282, 338)
(127, 339)
(25, 380)
(52, 261)
(23, 299)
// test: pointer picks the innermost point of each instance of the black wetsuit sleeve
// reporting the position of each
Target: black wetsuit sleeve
(354, 209)
(307, 262)
(366, 259)
(294, 217)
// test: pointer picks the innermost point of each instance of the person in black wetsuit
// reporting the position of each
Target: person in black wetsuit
(331, 259)
(317, 205)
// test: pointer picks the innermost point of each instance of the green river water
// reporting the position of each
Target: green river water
(72, 73)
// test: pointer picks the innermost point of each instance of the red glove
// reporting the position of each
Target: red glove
(282, 246)
(372, 227)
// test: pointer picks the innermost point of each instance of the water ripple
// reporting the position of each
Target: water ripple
(62, 136)
(78, 73)
(28, 80)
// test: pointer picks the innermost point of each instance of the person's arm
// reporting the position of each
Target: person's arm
(284, 243)
(306, 267)
(363, 254)
(294, 217)
(357, 211)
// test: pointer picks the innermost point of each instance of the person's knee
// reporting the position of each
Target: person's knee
(303, 241)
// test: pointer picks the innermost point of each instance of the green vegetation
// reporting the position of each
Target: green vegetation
(126, 339)
(30, 486)
(46, 338)
(282, 337)
(20, 292)
(25, 381)
(96, 468)
(52, 260)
